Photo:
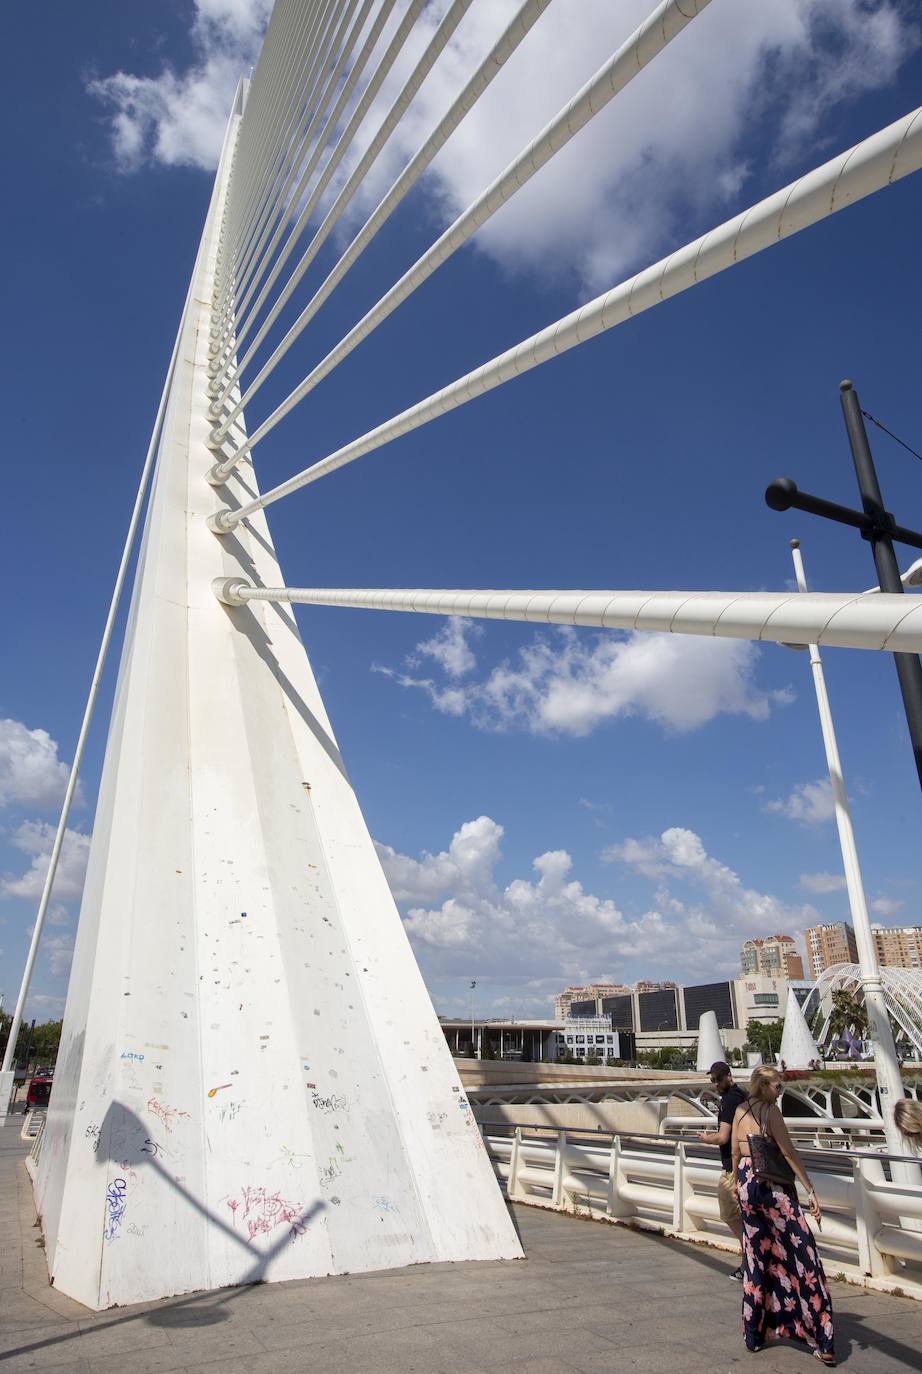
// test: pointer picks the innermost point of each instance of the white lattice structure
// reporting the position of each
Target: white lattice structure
(252, 1081)
(902, 990)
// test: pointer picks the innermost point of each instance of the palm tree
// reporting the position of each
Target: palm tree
(848, 1013)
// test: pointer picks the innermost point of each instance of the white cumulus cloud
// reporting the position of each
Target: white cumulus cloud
(31, 774)
(809, 803)
(822, 883)
(178, 117)
(887, 906)
(537, 932)
(59, 951)
(571, 682)
(669, 146)
(35, 839)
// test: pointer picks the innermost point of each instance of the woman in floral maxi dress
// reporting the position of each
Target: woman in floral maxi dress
(784, 1287)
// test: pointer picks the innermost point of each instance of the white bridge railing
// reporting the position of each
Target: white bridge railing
(870, 1224)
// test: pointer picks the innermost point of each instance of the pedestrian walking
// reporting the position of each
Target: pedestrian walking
(784, 1286)
(731, 1097)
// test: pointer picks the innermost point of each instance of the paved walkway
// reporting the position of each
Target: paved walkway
(589, 1297)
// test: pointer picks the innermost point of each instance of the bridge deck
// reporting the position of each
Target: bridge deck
(589, 1297)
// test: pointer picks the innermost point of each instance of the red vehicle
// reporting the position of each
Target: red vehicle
(38, 1094)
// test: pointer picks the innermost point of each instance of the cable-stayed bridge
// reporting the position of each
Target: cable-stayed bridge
(252, 1080)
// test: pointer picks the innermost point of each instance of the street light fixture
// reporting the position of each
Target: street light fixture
(886, 1064)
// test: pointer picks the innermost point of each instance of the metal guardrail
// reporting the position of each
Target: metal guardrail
(33, 1124)
(871, 1223)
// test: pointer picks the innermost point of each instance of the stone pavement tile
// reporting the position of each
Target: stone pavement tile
(17, 1366)
(57, 1358)
(39, 1338)
(487, 1342)
(119, 1337)
(165, 1359)
(210, 1342)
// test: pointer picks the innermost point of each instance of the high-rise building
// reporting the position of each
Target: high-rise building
(776, 956)
(833, 943)
(583, 1001)
(898, 946)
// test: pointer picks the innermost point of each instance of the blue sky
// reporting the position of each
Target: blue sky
(551, 807)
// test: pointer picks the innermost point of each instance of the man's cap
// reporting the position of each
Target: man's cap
(718, 1069)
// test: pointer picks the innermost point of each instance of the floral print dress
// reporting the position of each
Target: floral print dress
(784, 1287)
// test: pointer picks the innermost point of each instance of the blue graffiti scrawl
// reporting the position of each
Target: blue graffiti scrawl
(116, 1205)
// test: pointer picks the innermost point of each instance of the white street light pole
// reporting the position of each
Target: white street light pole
(889, 1081)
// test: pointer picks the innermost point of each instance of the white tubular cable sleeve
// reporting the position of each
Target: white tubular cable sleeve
(272, 125)
(490, 67)
(290, 144)
(108, 628)
(322, 140)
(840, 620)
(396, 112)
(284, 205)
(665, 23)
(883, 158)
(339, 151)
(286, 48)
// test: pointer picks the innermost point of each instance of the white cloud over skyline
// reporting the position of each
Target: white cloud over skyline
(525, 939)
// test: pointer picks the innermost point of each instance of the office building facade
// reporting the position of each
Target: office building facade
(833, 943)
(898, 946)
(775, 956)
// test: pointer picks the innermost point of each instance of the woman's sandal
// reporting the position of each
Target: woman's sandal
(828, 1360)
(755, 1346)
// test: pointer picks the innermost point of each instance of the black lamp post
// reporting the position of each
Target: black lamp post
(880, 529)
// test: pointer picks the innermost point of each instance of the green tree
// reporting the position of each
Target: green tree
(46, 1040)
(765, 1036)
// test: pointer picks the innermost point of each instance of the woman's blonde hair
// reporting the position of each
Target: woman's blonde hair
(762, 1079)
(908, 1116)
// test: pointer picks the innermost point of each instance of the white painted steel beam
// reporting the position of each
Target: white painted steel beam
(877, 161)
(837, 619)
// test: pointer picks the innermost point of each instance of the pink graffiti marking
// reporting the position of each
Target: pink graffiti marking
(263, 1211)
(167, 1115)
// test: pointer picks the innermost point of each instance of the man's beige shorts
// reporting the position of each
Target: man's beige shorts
(726, 1198)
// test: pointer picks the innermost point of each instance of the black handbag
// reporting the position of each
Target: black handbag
(768, 1163)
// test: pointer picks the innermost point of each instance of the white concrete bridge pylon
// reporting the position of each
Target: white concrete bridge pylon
(252, 1081)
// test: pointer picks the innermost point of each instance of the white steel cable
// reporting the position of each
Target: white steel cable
(108, 629)
(287, 40)
(666, 22)
(265, 127)
(258, 141)
(339, 151)
(219, 351)
(489, 68)
(434, 49)
(284, 204)
(877, 161)
(261, 157)
(322, 140)
(288, 144)
(837, 619)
